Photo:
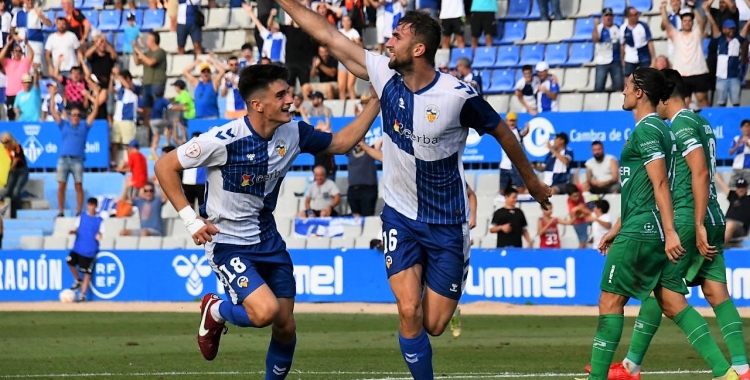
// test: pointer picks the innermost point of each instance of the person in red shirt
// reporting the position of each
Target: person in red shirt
(579, 211)
(549, 234)
(137, 167)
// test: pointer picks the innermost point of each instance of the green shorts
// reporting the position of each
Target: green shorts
(694, 268)
(635, 268)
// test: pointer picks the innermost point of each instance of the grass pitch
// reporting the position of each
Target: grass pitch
(53, 345)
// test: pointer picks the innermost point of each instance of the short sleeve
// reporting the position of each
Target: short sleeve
(554, 87)
(77, 223)
(589, 163)
(520, 84)
(478, 114)
(497, 218)
(74, 41)
(334, 189)
(313, 141)
(524, 223)
(569, 154)
(206, 150)
(264, 33)
(378, 71)
(687, 137)
(50, 42)
(648, 143)
(622, 33)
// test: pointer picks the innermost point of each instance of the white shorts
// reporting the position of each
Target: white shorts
(38, 48)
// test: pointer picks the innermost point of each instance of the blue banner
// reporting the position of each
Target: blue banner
(610, 127)
(41, 143)
(331, 227)
(518, 276)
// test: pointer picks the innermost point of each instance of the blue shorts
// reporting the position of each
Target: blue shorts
(441, 249)
(67, 165)
(150, 92)
(244, 268)
(510, 176)
(582, 231)
(183, 30)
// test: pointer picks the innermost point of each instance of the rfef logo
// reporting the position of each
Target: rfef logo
(109, 275)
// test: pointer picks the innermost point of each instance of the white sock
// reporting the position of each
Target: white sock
(741, 368)
(632, 368)
(215, 312)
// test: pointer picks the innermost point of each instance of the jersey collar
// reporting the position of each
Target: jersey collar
(675, 115)
(643, 118)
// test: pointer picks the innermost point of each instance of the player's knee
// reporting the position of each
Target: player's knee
(435, 328)
(411, 313)
(715, 292)
(262, 314)
(284, 331)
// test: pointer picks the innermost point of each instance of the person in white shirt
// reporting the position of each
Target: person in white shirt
(452, 14)
(346, 79)
(509, 176)
(674, 19)
(602, 171)
(526, 89)
(601, 221)
(606, 36)
(29, 21)
(388, 14)
(636, 45)
(688, 58)
(548, 89)
(62, 43)
(322, 196)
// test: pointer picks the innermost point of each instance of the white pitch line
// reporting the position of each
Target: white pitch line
(467, 375)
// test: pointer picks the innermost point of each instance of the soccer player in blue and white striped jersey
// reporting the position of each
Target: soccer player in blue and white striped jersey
(246, 161)
(426, 119)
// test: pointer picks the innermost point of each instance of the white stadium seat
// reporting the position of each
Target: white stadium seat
(149, 242)
(596, 102)
(536, 32)
(172, 242)
(233, 41)
(55, 243)
(63, 226)
(576, 79)
(240, 19)
(654, 23)
(615, 101)
(127, 242)
(296, 243)
(218, 18)
(107, 243)
(589, 8)
(213, 40)
(560, 30)
(341, 242)
(500, 103)
(36, 242)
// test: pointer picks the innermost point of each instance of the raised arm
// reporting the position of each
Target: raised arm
(351, 55)
(595, 30)
(94, 108)
(188, 73)
(53, 111)
(715, 31)
(665, 24)
(722, 185)
(345, 139)
(250, 10)
(373, 151)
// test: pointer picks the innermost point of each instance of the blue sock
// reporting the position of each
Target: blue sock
(418, 355)
(235, 314)
(279, 359)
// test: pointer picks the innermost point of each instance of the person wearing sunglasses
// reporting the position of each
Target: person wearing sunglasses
(149, 210)
(18, 174)
(73, 134)
(15, 65)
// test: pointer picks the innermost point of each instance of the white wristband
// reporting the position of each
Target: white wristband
(190, 219)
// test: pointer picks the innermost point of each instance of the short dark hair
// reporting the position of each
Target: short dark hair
(259, 77)
(195, 134)
(234, 57)
(265, 59)
(572, 189)
(92, 201)
(426, 30)
(511, 190)
(745, 121)
(167, 148)
(674, 77)
(563, 136)
(157, 39)
(597, 142)
(126, 74)
(247, 46)
(149, 183)
(603, 205)
(653, 83)
(527, 68)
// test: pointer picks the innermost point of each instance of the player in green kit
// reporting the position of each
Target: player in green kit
(700, 225)
(643, 248)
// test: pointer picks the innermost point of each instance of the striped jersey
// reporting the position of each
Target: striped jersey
(28, 20)
(244, 172)
(692, 132)
(742, 158)
(424, 137)
(636, 41)
(274, 45)
(126, 106)
(728, 62)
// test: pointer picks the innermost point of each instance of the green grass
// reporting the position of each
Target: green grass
(330, 346)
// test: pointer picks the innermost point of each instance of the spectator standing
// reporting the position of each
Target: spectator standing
(509, 223)
(76, 22)
(601, 222)
(74, 88)
(316, 108)
(673, 17)
(18, 174)
(61, 49)
(557, 164)
(131, 34)
(579, 212)
(636, 46)
(47, 100)
(549, 233)
(363, 100)
(509, 175)
(160, 125)
(731, 55)
(527, 88)
(738, 213)
(206, 89)
(322, 196)
(248, 58)
(123, 124)
(274, 40)
(194, 183)
(235, 105)
(72, 150)
(15, 68)
(388, 14)
(544, 9)
(99, 95)
(149, 211)
(136, 166)
(102, 57)
(184, 103)
(606, 36)
(88, 230)
(28, 103)
(483, 21)
(602, 171)
(688, 58)
(346, 80)
(741, 147)
(29, 21)
(452, 16)
(154, 61)
(325, 67)
(187, 26)
(300, 50)
(548, 89)
(362, 193)
(264, 10)
(466, 74)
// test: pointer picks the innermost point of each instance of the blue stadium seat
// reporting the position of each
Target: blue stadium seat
(52, 16)
(618, 20)
(138, 19)
(110, 20)
(518, 9)
(486, 80)
(519, 76)
(581, 53)
(457, 53)
(514, 31)
(153, 19)
(484, 57)
(78, 4)
(584, 28)
(98, 4)
(111, 39)
(502, 81)
(618, 6)
(557, 54)
(507, 56)
(93, 16)
(706, 42)
(119, 42)
(497, 40)
(640, 5)
(531, 54)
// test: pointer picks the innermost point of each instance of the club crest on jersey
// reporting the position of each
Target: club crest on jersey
(388, 261)
(432, 112)
(243, 282)
(281, 148)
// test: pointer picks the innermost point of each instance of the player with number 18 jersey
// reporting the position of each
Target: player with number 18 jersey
(637, 263)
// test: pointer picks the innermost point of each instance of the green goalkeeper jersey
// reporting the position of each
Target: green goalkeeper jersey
(650, 141)
(692, 132)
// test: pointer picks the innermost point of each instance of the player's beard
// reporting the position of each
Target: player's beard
(401, 65)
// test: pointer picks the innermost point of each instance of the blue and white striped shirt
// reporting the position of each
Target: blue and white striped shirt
(636, 41)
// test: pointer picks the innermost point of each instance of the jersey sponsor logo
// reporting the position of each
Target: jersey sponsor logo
(422, 140)
(281, 148)
(252, 179)
(432, 112)
(109, 275)
(541, 131)
(194, 268)
(193, 150)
